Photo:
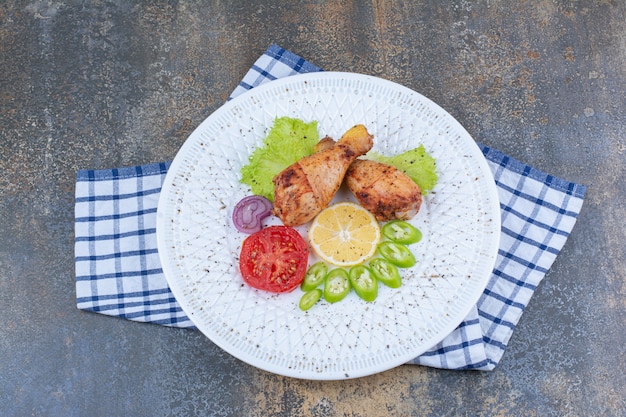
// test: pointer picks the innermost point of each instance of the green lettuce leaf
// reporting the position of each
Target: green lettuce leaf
(288, 141)
(416, 163)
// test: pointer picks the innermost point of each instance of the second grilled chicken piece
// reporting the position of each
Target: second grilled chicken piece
(384, 190)
(306, 187)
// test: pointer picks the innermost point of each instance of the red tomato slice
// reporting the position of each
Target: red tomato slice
(274, 259)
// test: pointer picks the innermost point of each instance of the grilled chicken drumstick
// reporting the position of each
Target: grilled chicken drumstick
(384, 190)
(306, 187)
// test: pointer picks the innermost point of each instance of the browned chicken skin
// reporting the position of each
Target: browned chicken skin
(384, 190)
(306, 187)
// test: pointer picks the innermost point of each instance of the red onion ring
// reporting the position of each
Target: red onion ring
(250, 212)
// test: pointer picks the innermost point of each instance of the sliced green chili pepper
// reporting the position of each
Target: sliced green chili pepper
(363, 282)
(336, 285)
(397, 253)
(309, 299)
(386, 272)
(403, 232)
(314, 276)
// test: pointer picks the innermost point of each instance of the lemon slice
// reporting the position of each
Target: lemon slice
(344, 234)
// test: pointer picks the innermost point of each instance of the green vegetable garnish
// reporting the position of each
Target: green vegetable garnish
(398, 254)
(400, 231)
(336, 285)
(364, 282)
(309, 299)
(314, 276)
(416, 163)
(288, 140)
(386, 272)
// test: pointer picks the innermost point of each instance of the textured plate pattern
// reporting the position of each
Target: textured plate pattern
(199, 248)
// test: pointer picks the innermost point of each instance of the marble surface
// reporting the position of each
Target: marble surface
(110, 84)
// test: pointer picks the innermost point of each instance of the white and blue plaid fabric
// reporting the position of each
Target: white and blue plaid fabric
(118, 271)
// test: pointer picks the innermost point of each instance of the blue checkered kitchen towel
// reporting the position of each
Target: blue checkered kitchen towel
(118, 271)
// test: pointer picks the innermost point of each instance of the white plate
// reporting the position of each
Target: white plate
(199, 247)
